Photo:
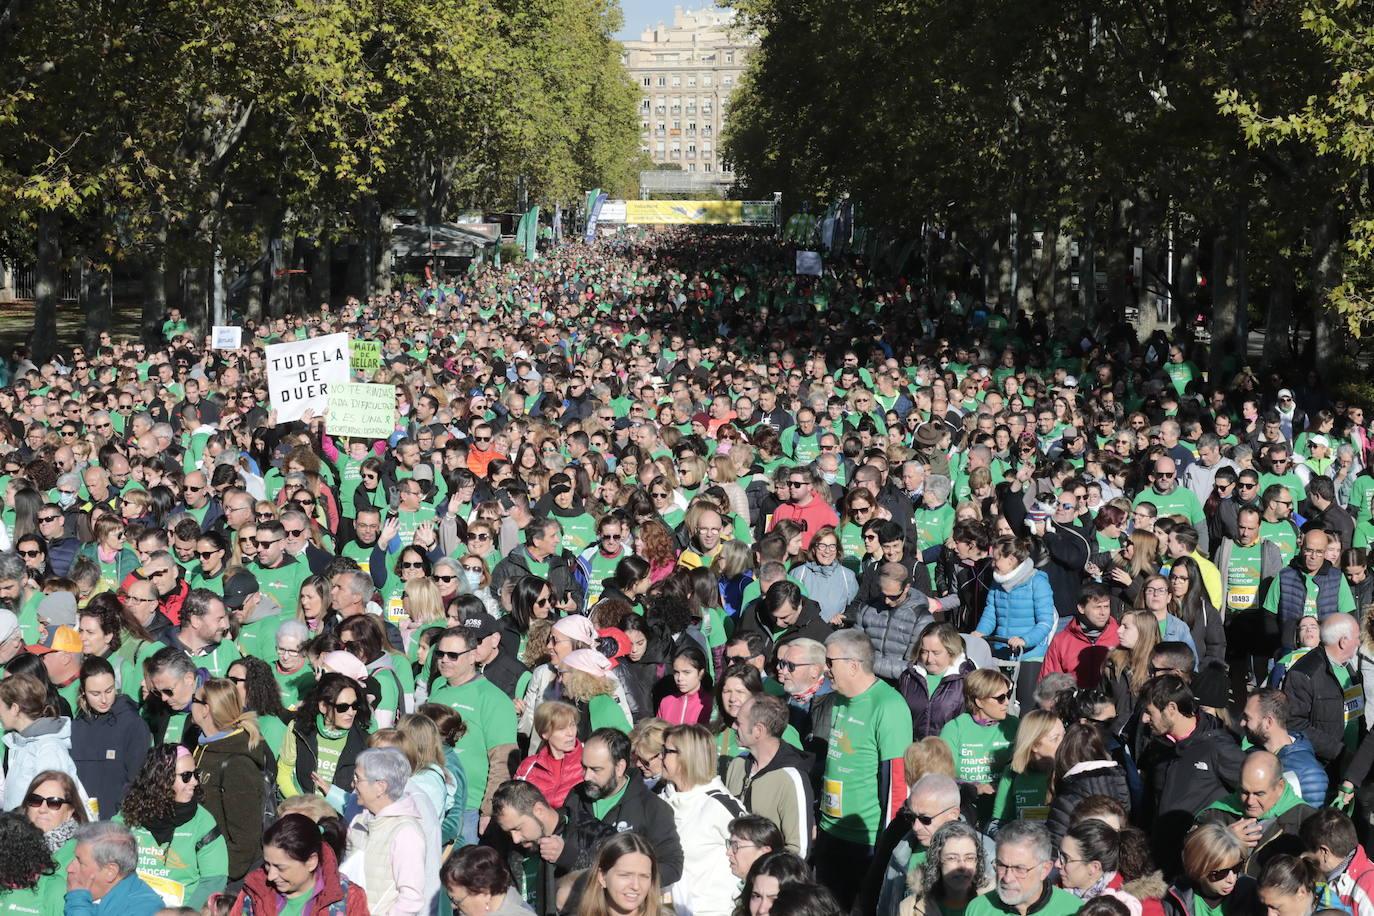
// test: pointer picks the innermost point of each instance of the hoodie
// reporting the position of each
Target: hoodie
(1073, 651)
(832, 587)
(108, 751)
(45, 745)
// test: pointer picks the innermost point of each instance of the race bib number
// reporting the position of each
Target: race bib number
(832, 798)
(171, 892)
(1354, 702)
(1242, 597)
(396, 610)
(1035, 813)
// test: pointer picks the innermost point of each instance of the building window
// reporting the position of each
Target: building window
(646, 81)
(658, 148)
(663, 80)
(644, 105)
(691, 149)
(727, 81)
(692, 80)
(706, 79)
(707, 167)
(729, 59)
(691, 166)
(677, 81)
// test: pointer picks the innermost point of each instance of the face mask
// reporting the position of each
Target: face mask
(474, 579)
(66, 500)
(829, 478)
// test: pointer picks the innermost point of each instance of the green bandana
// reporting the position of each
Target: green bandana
(333, 734)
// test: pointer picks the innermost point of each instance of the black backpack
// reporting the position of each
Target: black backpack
(269, 796)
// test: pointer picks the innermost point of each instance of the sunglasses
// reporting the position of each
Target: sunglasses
(1000, 697)
(268, 543)
(412, 564)
(1221, 874)
(34, 800)
(187, 777)
(30, 553)
(444, 655)
(356, 706)
(928, 819)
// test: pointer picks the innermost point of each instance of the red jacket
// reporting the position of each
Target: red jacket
(1072, 652)
(1355, 885)
(258, 898)
(555, 778)
(815, 515)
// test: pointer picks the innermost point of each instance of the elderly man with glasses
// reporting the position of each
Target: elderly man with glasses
(1024, 859)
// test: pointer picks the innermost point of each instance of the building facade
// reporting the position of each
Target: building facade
(686, 73)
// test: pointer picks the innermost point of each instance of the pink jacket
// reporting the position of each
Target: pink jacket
(692, 709)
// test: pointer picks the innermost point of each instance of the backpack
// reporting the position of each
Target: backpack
(269, 795)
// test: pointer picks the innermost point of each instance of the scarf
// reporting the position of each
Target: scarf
(1097, 890)
(333, 734)
(163, 828)
(59, 835)
(1018, 576)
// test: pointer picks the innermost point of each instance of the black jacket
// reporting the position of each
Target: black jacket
(562, 574)
(505, 671)
(1182, 778)
(639, 810)
(1096, 777)
(108, 751)
(808, 624)
(1280, 835)
(1316, 705)
(231, 780)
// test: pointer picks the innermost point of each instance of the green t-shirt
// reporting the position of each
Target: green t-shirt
(490, 718)
(1022, 796)
(1241, 577)
(282, 582)
(1178, 501)
(45, 898)
(867, 730)
(1284, 535)
(1060, 903)
(183, 870)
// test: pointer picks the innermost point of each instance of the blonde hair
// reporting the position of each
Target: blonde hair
(421, 741)
(222, 700)
(553, 714)
(725, 469)
(696, 753)
(422, 601)
(646, 738)
(1035, 725)
(982, 683)
(929, 755)
(312, 806)
(1135, 663)
(1210, 847)
(581, 686)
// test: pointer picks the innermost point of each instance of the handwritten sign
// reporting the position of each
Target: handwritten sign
(365, 354)
(300, 373)
(357, 409)
(809, 262)
(227, 338)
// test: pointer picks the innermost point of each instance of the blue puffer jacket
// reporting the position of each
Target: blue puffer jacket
(1175, 630)
(1300, 762)
(1020, 604)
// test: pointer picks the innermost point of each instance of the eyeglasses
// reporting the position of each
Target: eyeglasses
(1000, 697)
(1020, 871)
(49, 518)
(1221, 874)
(480, 536)
(284, 651)
(30, 553)
(928, 819)
(1157, 589)
(294, 532)
(34, 800)
(784, 665)
(1164, 475)
(412, 564)
(356, 706)
(737, 845)
(188, 777)
(830, 662)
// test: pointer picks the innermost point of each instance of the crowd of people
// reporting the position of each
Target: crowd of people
(686, 583)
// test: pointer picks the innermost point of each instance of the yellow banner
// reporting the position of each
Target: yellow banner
(697, 212)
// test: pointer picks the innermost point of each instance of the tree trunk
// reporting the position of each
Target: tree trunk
(321, 263)
(47, 286)
(97, 302)
(1045, 265)
(1025, 267)
(1064, 310)
(1087, 265)
(1117, 267)
(155, 291)
(1328, 332)
(1225, 296)
(1278, 340)
(1002, 274)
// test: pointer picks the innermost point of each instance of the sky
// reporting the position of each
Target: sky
(641, 14)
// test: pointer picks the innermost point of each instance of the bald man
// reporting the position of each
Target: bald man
(1265, 813)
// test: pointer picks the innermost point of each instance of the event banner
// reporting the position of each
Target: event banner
(300, 373)
(358, 409)
(365, 355)
(695, 212)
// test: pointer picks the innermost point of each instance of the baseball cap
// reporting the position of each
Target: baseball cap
(238, 587)
(58, 609)
(1284, 393)
(57, 639)
(483, 624)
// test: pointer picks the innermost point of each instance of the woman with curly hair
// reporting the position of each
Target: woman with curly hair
(30, 881)
(952, 873)
(181, 852)
(655, 543)
(589, 684)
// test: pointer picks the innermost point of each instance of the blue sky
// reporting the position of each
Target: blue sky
(641, 14)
